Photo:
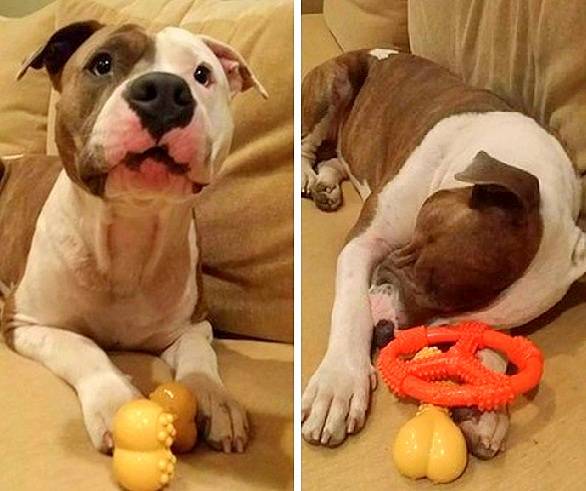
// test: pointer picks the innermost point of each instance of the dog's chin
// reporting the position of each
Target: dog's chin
(151, 176)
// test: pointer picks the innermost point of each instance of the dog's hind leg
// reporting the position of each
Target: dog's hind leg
(326, 190)
(327, 94)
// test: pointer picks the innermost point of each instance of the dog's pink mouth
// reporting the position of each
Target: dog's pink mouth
(158, 154)
(152, 170)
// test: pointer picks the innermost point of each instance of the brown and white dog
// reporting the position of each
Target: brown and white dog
(469, 211)
(143, 121)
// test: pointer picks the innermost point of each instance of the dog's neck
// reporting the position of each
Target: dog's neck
(129, 242)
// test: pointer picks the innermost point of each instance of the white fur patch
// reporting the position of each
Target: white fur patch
(382, 54)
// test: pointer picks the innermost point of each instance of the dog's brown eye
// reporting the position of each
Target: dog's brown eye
(101, 64)
(202, 75)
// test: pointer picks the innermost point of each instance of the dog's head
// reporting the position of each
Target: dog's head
(142, 116)
(470, 243)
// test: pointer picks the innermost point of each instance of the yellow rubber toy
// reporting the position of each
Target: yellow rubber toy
(178, 400)
(143, 434)
(430, 444)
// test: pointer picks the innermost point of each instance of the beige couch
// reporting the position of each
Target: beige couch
(247, 262)
(545, 448)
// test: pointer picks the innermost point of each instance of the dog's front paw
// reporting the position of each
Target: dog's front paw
(335, 402)
(485, 431)
(100, 398)
(222, 420)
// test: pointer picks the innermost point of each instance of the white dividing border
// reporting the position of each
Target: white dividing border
(297, 245)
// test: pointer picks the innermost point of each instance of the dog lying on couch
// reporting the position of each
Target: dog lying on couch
(470, 211)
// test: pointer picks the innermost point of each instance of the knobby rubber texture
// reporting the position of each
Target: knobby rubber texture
(424, 378)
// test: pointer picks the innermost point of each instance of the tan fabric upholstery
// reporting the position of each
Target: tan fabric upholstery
(358, 24)
(529, 53)
(23, 105)
(545, 449)
(314, 32)
(46, 446)
(246, 216)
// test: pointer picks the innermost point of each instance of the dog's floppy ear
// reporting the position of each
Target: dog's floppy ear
(500, 184)
(58, 49)
(239, 74)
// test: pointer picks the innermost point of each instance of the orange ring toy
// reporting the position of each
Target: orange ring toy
(477, 385)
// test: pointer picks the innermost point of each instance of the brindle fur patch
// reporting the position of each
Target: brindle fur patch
(84, 95)
(200, 311)
(20, 206)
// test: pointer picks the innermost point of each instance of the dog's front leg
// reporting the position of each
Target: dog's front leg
(223, 420)
(337, 396)
(100, 386)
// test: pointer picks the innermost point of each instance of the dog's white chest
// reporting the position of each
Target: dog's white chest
(148, 317)
(126, 285)
(144, 319)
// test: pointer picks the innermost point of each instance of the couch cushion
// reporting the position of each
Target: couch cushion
(358, 24)
(23, 105)
(46, 445)
(544, 448)
(531, 54)
(245, 217)
(315, 32)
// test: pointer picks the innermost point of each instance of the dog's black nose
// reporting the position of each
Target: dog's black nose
(162, 101)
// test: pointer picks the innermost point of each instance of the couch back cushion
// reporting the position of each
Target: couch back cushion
(245, 218)
(23, 104)
(529, 53)
(358, 24)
